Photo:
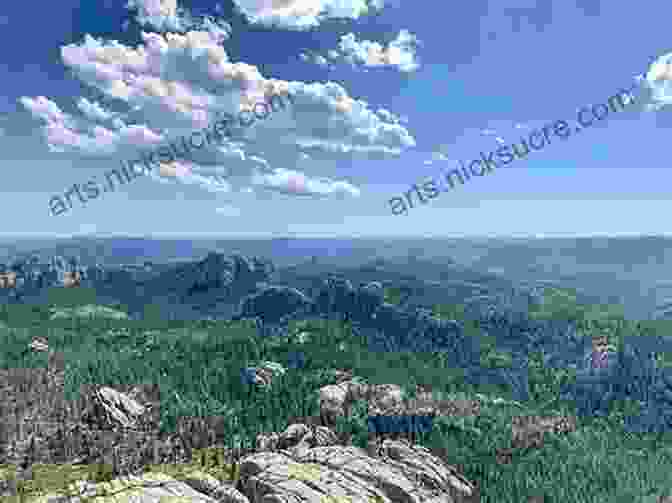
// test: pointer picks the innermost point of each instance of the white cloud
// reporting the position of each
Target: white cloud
(297, 184)
(43, 108)
(303, 14)
(165, 15)
(316, 59)
(159, 13)
(94, 111)
(399, 53)
(181, 172)
(659, 82)
(175, 84)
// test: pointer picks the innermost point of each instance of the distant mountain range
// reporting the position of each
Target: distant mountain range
(631, 271)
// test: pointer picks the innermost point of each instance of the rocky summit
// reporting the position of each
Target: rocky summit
(303, 463)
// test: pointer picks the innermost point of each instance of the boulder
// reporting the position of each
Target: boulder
(528, 432)
(336, 400)
(262, 375)
(39, 344)
(404, 473)
(304, 462)
(109, 409)
(333, 402)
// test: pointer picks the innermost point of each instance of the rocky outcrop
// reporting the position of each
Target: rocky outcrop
(304, 463)
(145, 488)
(118, 427)
(262, 376)
(529, 432)
(404, 472)
(336, 400)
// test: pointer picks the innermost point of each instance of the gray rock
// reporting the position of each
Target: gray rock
(404, 472)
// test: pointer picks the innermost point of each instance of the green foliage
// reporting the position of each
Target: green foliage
(23, 315)
(559, 303)
(449, 311)
(71, 297)
(87, 311)
(457, 312)
(197, 368)
(545, 383)
(393, 295)
(591, 320)
(491, 358)
(463, 424)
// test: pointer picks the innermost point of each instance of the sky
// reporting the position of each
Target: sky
(381, 95)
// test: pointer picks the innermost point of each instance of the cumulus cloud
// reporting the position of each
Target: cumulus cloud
(303, 14)
(159, 13)
(175, 84)
(94, 111)
(658, 80)
(45, 109)
(185, 173)
(166, 15)
(400, 53)
(297, 184)
(315, 59)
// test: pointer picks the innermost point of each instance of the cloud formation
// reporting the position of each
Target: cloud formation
(303, 14)
(165, 15)
(175, 83)
(294, 183)
(400, 53)
(658, 80)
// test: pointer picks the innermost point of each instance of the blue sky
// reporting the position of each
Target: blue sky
(441, 81)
